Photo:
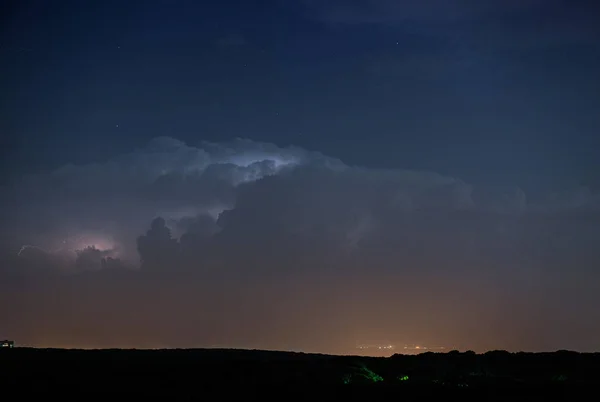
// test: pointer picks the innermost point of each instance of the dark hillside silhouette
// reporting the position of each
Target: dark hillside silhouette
(196, 371)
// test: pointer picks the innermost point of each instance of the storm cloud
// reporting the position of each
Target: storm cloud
(217, 234)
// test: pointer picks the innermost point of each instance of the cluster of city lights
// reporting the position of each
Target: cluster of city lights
(381, 347)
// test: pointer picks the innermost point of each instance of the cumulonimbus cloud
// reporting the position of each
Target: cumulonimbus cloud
(240, 190)
(242, 225)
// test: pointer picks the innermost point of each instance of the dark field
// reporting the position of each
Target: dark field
(223, 373)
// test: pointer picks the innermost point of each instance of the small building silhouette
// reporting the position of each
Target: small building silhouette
(7, 344)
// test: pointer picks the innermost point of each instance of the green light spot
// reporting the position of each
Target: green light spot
(347, 378)
(403, 378)
(369, 374)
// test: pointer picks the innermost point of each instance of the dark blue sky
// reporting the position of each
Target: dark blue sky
(499, 92)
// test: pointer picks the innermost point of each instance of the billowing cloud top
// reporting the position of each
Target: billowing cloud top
(245, 212)
(119, 197)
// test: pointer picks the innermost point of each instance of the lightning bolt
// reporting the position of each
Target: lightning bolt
(27, 246)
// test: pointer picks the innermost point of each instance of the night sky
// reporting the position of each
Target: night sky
(300, 174)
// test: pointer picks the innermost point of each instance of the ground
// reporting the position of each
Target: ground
(199, 372)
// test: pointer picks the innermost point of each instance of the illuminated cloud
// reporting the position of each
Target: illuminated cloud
(245, 192)
(108, 204)
(273, 235)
